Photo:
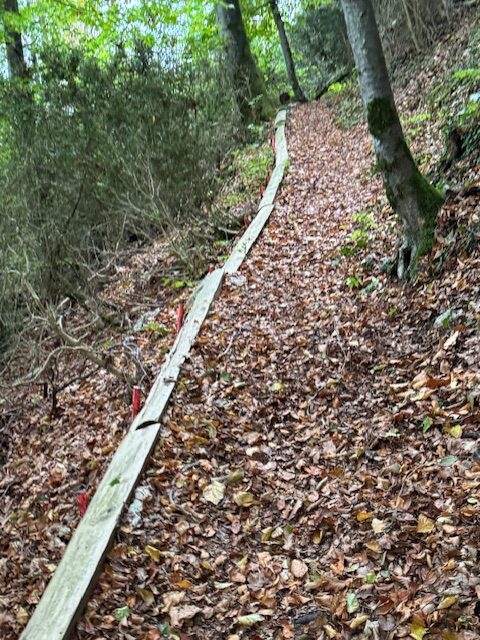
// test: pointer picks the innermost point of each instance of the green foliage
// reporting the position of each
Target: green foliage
(319, 37)
(95, 155)
(359, 237)
(345, 98)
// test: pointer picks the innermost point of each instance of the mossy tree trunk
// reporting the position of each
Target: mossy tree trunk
(17, 67)
(246, 77)
(287, 52)
(411, 196)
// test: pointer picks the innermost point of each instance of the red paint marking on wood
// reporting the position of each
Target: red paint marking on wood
(136, 395)
(180, 314)
(83, 498)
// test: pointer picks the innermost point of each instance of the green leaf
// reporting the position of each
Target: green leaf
(353, 604)
(427, 423)
(447, 461)
(121, 613)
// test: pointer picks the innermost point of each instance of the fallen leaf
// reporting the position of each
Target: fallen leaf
(417, 629)
(447, 461)
(363, 515)
(425, 525)
(454, 430)
(121, 613)
(171, 599)
(298, 568)
(244, 499)
(214, 492)
(250, 620)
(178, 615)
(447, 602)
(358, 621)
(153, 552)
(235, 476)
(378, 525)
(353, 604)
(146, 594)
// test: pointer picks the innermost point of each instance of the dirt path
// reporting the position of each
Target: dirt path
(304, 401)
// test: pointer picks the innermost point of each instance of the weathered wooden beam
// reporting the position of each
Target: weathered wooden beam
(69, 588)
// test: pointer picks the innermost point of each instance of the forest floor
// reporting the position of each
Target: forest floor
(318, 473)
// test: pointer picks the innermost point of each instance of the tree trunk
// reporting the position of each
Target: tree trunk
(13, 43)
(246, 77)
(411, 196)
(287, 53)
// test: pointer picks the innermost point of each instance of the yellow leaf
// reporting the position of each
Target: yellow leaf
(244, 499)
(454, 430)
(153, 552)
(374, 546)
(363, 515)
(447, 602)
(317, 536)
(184, 584)
(425, 525)
(22, 615)
(358, 621)
(243, 562)
(147, 595)
(417, 630)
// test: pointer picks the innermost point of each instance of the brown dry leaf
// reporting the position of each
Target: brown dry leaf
(171, 599)
(178, 615)
(298, 568)
(425, 525)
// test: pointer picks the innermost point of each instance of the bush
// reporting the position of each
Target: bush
(319, 35)
(94, 156)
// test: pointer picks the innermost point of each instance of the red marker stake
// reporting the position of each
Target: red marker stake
(273, 144)
(180, 314)
(262, 190)
(135, 402)
(246, 221)
(267, 176)
(83, 498)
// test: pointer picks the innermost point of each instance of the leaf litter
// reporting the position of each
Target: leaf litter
(346, 516)
(318, 473)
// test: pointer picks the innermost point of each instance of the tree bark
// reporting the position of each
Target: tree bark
(246, 77)
(411, 196)
(287, 52)
(17, 67)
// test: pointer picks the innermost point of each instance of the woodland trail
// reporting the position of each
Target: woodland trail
(345, 509)
(317, 474)
(303, 401)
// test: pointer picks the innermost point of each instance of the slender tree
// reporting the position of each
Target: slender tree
(411, 196)
(13, 43)
(246, 77)
(287, 52)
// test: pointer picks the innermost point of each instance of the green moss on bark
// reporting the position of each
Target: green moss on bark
(429, 202)
(381, 115)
